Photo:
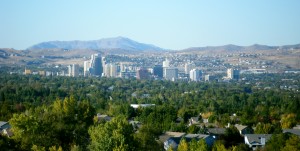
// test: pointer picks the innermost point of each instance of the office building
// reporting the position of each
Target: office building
(73, 70)
(96, 65)
(233, 74)
(142, 74)
(195, 75)
(158, 71)
(171, 73)
(86, 68)
(113, 70)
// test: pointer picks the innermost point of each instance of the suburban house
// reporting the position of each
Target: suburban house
(176, 137)
(193, 120)
(167, 135)
(5, 129)
(4, 125)
(244, 129)
(256, 141)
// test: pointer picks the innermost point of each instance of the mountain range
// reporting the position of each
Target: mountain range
(126, 45)
(116, 43)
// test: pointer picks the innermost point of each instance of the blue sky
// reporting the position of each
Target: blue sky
(171, 24)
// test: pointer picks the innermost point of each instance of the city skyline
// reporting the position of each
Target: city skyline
(168, 24)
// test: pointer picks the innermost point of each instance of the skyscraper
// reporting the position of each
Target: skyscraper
(96, 65)
(195, 75)
(166, 63)
(158, 71)
(86, 68)
(233, 74)
(113, 70)
(73, 70)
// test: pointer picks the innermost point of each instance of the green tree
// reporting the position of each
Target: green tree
(146, 138)
(183, 145)
(198, 145)
(293, 143)
(116, 134)
(219, 146)
(288, 120)
(232, 136)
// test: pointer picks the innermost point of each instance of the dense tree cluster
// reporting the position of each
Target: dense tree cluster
(56, 113)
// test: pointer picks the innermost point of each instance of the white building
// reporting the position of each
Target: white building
(166, 63)
(195, 75)
(73, 70)
(110, 70)
(256, 141)
(86, 67)
(233, 74)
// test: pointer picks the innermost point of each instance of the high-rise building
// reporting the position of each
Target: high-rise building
(113, 70)
(110, 70)
(142, 74)
(107, 70)
(188, 67)
(233, 74)
(73, 70)
(171, 73)
(195, 75)
(209, 77)
(86, 68)
(158, 71)
(166, 63)
(96, 65)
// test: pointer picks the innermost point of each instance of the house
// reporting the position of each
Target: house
(208, 138)
(256, 141)
(244, 129)
(205, 120)
(174, 141)
(4, 125)
(168, 134)
(292, 131)
(193, 120)
(5, 129)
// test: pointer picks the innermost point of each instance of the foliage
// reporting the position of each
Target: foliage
(183, 145)
(58, 111)
(116, 134)
(62, 123)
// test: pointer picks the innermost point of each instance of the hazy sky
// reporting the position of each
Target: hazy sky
(172, 24)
